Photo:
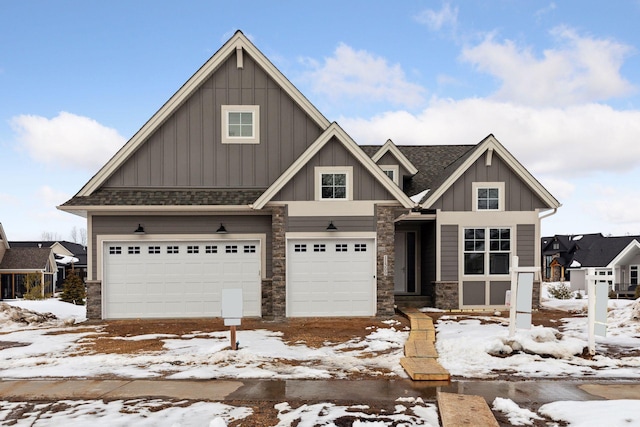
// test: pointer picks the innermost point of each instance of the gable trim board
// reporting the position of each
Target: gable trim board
(490, 142)
(390, 147)
(238, 41)
(619, 259)
(334, 130)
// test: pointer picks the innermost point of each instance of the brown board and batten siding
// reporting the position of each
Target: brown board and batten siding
(449, 253)
(187, 150)
(195, 226)
(302, 185)
(519, 197)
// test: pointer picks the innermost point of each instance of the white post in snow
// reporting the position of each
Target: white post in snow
(598, 295)
(514, 294)
(521, 295)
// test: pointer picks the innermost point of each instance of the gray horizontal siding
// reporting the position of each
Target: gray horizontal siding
(190, 225)
(449, 252)
(526, 244)
(319, 224)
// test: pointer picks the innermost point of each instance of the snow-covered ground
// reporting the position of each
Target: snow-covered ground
(470, 347)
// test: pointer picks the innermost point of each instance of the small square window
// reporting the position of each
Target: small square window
(249, 249)
(488, 196)
(334, 186)
(115, 250)
(210, 249)
(173, 250)
(300, 248)
(193, 249)
(231, 249)
(240, 124)
(132, 250)
(341, 247)
(154, 249)
(320, 247)
(360, 247)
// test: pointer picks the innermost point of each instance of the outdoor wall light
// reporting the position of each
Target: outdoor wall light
(331, 227)
(139, 230)
(221, 229)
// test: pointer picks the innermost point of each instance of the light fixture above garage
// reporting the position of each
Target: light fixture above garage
(221, 229)
(139, 230)
(331, 227)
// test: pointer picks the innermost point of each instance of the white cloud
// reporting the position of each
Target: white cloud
(615, 205)
(580, 69)
(568, 141)
(67, 140)
(360, 74)
(436, 20)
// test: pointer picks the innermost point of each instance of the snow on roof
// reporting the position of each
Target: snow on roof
(575, 264)
(418, 197)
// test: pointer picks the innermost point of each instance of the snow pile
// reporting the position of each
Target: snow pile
(138, 412)
(546, 342)
(322, 414)
(16, 317)
(517, 416)
(594, 413)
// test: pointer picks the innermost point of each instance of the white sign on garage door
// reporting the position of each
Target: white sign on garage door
(331, 277)
(160, 279)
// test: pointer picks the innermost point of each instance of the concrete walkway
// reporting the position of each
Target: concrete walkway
(421, 361)
(521, 392)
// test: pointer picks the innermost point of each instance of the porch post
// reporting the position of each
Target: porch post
(385, 260)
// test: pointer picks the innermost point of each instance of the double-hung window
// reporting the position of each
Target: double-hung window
(240, 124)
(487, 251)
(633, 274)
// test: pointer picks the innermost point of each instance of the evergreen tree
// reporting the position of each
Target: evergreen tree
(73, 289)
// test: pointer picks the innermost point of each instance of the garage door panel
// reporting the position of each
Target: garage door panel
(330, 277)
(179, 279)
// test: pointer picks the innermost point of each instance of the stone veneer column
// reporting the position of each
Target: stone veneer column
(94, 299)
(278, 250)
(446, 295)
(385, 230)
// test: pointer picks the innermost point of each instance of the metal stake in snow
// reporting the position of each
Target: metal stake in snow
(232, 312)
(521, 296)
(598, 294)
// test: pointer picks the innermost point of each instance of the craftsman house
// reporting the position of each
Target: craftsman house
(238, 181)
(615, 260)
(17, 262)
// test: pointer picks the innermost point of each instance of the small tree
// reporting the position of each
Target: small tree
(33, 285)
(73, 289)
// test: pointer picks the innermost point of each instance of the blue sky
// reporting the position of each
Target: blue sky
(558, 83)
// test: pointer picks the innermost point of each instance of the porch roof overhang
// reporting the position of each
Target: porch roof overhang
(416, 216)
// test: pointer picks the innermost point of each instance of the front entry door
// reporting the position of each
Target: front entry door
(405, 262)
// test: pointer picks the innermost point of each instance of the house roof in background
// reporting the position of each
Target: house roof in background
(26, 258)
(588, 250)
(76, 249)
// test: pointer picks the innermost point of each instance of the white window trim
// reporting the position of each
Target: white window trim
(501, 195)
(487, 251)
(393, 168)
(320, 170)
(226, 109)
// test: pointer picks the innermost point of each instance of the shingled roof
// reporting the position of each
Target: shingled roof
(588, 250)
(25, 259)
(151, 197)
(434, 163)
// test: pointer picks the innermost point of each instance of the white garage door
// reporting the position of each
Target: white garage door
(154, 279)
(331, 277)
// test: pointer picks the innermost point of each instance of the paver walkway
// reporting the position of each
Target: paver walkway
(421, 357)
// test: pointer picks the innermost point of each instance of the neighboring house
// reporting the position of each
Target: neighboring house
(68, 255)
(615, 260)
(238, 181)
(17, 262)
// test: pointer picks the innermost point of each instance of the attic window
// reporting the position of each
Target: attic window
(488, 196)
(392, 172)
(333, 183)
(240, 124)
